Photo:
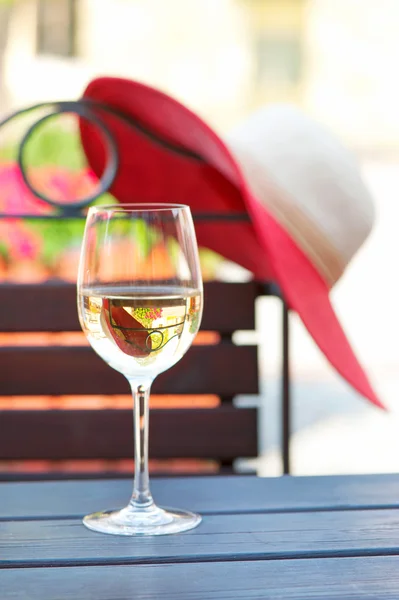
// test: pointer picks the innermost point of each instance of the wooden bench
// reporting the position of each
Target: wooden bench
(219, 433)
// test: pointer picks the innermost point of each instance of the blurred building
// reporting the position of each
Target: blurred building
(222, 57)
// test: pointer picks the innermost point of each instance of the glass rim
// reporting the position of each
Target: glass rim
(139, 207)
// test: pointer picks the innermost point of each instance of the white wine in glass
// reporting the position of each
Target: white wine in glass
(140, 305)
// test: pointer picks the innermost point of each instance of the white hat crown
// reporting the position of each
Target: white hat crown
(310, 183)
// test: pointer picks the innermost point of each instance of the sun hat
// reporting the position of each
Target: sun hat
(309, 209)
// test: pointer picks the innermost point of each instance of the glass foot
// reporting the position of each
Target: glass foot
(152, 520)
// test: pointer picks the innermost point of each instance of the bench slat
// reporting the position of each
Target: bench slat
(52, 307)
(225, 432)
(223, 369)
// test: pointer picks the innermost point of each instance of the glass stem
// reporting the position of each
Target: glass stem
(141, 498)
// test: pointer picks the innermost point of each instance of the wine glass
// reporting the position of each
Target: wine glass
(140, 306)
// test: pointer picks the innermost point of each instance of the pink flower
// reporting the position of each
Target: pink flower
(59, 184)
(15, 198)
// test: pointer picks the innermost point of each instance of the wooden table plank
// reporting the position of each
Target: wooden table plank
(375, 578)
(204, 494)
(219, 537)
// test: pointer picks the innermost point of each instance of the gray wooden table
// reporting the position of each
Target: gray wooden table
(297, 538)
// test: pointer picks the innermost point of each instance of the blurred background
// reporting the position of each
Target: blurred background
(337, 60)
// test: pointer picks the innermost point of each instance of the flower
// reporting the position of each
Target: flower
(194, 314)
(15, 198)
(147, 315)
(30, 240)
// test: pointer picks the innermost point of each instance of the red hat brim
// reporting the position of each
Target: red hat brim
(209, 180)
